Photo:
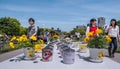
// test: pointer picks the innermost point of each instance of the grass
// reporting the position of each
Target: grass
(118, 50)
(7, 48)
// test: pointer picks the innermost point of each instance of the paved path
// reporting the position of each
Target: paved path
(116, 58)
(11, 54)
(8, 55)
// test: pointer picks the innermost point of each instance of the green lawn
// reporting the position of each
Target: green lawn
(7, 48)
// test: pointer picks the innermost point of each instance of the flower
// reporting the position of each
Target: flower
(42, 42)
(99, 31)
(13, 38)
(86, 39)
(108, 38)
(38, 47)
(33, 38)
(11, 45)
(24, 42)
(56, 36)
(96, 39)
(18, 39)
(90, 34)
(22, 38)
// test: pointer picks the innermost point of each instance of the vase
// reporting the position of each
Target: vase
(29, 53)
(96, 55)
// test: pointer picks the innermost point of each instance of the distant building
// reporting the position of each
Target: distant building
(101, 21)
(80, 26)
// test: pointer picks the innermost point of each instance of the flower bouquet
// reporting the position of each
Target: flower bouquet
(30, 45)
(97, 41)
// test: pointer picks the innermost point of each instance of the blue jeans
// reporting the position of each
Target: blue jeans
(113, 44)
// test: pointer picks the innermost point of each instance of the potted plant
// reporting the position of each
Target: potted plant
(54, 37)
(30, 45)
(96, 42)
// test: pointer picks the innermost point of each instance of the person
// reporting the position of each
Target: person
(113, 32)
(32, 29)
(92, 27)
(46, 35)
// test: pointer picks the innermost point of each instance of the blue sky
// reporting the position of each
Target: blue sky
(65, 14)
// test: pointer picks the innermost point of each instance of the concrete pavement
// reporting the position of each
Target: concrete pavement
(11, 54)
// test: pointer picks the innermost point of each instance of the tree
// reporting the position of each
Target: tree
(81, 30)
(118, 22)
(52, 28)
(0, 32)
(10, 26)
(23, 30)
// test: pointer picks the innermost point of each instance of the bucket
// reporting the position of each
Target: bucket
(68, 56)
(47, 53)
(29, 53)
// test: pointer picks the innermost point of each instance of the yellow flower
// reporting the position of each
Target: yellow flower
(86, 39)
(24, 37)
(38, 47)
(90, 34)
(56, 36)
(20, 39)
(13, 38)
(42, 42)
(33, 38)
(108, 38)
(11, 45)
(99, 31)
